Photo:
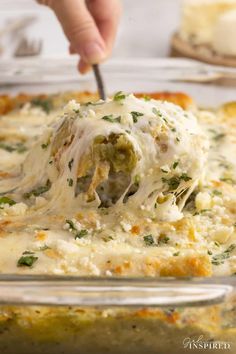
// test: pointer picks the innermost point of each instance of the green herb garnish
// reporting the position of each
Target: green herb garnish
(111, 119)
(218, 137)
(175, 164)
(216, 192)
(44, 248)
(27, 259)
(70, 164)
(70, 182)
(81, 234)
(136, 115)
(176, 254)
(18, 147)
(119, 96)
(148, 240)
(45, 145)
(175, 181)
(71, 225)
(163, 239)
(6, 200)
(137, 179)
(227, 180)
(185, 177)
(221, 257)
(38, 191)
(74, 230)
(44, 103)
(146, 98)
(157, 112)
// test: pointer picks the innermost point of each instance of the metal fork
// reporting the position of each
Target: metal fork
(28, 48)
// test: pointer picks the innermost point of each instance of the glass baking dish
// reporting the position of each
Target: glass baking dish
(61, 314)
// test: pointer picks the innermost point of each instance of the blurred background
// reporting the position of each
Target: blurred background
(204, 30)
(145, 30)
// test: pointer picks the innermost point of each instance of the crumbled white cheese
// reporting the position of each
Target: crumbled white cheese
(203, 201)
(222, 233)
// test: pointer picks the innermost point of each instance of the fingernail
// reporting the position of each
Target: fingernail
(93, 53)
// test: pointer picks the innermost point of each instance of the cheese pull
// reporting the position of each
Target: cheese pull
(124, 153)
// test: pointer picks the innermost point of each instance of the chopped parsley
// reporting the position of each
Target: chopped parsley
(44, 103)
(119, 96)
(219, 136)
(38, 191)
(146, 98)
(156, 112)
(163, 239)
(45, 145)
(6, 200)
(27, 259)
(185, 177)
(175, 164)
(176, 254)
(70, 164)
(70, 182)
(137, 179)
(108, 238)
(44, 248)
(148, 240)
(18, 147)
(221, 257)
(77, 233)
(164, 171)
(110, 118)
(136, 115)
(175, 181)
(215, 135)
(71, 225)
(216, 192)
(81, 234)
(227, 180)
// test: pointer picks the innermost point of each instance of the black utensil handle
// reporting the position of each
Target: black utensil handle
(99, 81)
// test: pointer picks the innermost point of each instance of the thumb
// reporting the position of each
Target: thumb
(81, 30)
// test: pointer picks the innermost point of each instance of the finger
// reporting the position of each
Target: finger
(83, 67)
(81, 29)
(106, 20)
(72, 50)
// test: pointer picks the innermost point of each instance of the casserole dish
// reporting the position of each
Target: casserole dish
(60, 314)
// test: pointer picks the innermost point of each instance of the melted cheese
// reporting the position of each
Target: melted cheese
(122, 187)
(157, 143)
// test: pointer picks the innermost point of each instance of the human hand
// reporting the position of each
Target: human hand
(90, 26)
